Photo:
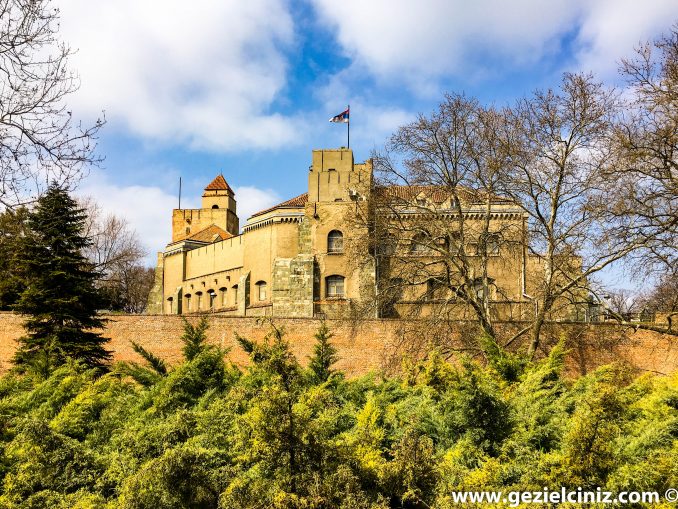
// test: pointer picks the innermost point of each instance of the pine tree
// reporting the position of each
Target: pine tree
(324, 354)
(12, 230)
(60, 298)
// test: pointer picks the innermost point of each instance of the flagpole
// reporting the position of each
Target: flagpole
(348, 127)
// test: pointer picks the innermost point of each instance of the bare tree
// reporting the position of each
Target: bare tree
(559, 144)
(623, 302)
(39, 140)
(436, 216)
(132, 288)
(114, 244)
(533, 182)
(646, 158)
(663, 298)
(117, 253)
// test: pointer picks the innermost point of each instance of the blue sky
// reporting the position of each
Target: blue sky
(195, 88)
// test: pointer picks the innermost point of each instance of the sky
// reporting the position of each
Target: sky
(246, 88)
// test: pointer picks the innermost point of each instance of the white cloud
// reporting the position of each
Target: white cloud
(612, 29)
(252, 199)
(147, 209)
(434, 37)
(372, 125)
(201, 73)
(414, 42)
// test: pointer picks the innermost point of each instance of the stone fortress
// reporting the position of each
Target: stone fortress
(306, 257)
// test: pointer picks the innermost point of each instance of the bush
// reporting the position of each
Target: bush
(206, 434)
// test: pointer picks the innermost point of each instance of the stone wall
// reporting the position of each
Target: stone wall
(293, 286)
(364, 346)
(156, 298)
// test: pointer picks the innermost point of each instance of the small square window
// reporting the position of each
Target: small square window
(335, 286)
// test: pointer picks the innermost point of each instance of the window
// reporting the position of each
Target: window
(188, 302)
(480, 289)
(215, 206)
(419, 243)
(235, 295)
(493, 244)
(198, 306)
(387, 245)
(335, 242)
(455, 241)
(443, 243)
(434, 287)
(170, 304)
(261, 290)
(223, 297)
(392, 293)
(334, 286)
(213, 298)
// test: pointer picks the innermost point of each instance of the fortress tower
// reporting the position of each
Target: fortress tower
(218, 209)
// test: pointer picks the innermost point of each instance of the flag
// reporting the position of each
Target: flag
(342, 117)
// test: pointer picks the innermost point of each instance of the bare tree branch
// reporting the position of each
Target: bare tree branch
(39, 140)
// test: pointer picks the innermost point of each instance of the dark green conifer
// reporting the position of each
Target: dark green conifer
(60, 298)
(12, 230)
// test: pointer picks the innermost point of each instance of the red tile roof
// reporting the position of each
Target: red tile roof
(292, 203)
(436, 194)
(210, 234)
(218, 184)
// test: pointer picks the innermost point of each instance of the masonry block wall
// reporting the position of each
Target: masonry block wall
(293, 281)
(369, 345)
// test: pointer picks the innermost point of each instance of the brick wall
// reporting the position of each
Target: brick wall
(367, 345)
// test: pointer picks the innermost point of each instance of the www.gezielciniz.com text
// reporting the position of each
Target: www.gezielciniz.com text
(562, 495)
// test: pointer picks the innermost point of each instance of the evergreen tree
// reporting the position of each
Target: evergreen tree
(12, 229)
(60, 298)
(194, 338)
(152, 361)
(324, 354)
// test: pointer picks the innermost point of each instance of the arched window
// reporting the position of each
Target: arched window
(443, 243)
(198, 303)
(419, 243)
(334, 286)
(213, 298)
(170, 305)
(262, 288)
(387, 245)
(235, 294)
(493, 241)
(392, 293)
(222, 291)
(215, 206)
(490, 242)
(335, 242)
(187, 297)
(479, 288)
(455, 241)
(434, 287)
